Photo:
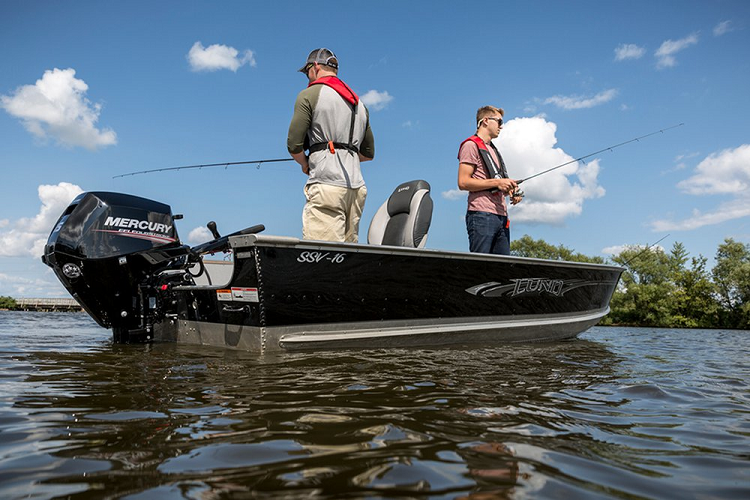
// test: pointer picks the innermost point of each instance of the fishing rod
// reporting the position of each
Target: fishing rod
(206, 165)
(610, 148)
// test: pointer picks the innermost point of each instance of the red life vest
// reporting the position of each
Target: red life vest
(340, 87)
(495, 171)
(349, 96)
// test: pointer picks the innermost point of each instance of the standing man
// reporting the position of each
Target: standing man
(481, 172)
(334, 125)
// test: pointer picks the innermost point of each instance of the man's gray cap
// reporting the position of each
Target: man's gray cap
(321, 56)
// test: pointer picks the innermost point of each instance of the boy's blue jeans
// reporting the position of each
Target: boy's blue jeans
(488, 233)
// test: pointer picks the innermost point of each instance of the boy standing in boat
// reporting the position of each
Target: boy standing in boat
(481, 172)
(333, 124)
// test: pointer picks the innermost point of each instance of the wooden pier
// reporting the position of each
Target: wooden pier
(48, 305)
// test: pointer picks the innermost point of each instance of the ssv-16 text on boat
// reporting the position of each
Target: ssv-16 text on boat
(120, 257)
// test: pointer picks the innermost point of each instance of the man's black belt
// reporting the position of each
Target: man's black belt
(320, 146)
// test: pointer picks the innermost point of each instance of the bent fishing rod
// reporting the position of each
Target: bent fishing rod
(206, 165)
(610, 148)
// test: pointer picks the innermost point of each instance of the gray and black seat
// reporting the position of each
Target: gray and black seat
(404, 219)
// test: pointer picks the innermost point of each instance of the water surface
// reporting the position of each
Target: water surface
(619, 413)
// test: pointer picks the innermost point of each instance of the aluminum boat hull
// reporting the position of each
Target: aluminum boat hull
(287, 294)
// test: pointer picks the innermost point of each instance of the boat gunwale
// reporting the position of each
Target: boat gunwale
(258, 240)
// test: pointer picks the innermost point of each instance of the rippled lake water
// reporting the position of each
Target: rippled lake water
(619, 413)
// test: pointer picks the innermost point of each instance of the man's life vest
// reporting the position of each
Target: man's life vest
(495, 171)
(349, 96)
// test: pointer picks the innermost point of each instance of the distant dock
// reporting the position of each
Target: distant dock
(48, 305)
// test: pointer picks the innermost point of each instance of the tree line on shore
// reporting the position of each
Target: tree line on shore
(669, 289)
(658, 288)
(7, 303)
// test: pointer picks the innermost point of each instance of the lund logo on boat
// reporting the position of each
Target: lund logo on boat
(524, 286)
(530, 285)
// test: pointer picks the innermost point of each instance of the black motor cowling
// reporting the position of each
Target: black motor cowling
(106, 249)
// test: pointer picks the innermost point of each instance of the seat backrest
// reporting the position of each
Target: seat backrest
(403, 220)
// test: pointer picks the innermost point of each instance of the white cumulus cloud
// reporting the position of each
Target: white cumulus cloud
(376, 100)
(723, 28)
(665, 54)
(528, 147)
(200, 234)
(216, 57)
(20, 287)
(582, 102)
(27, 236)
(618, 249)
(724, 173)
(628, 51)
(56, 106)
(731, 210)
(454, 194)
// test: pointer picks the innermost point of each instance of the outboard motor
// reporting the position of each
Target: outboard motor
(113, 252)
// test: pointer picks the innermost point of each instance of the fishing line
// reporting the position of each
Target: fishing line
(643, 251)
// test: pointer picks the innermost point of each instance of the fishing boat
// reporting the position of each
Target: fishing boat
(120, 257)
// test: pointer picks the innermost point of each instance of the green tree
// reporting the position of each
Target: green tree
(526, 246)
(658, 289)
(731, 275)
(7, 303)
(643, 295)
(669, 289)
(695, 297)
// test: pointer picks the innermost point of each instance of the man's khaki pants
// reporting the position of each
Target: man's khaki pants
(332, 213)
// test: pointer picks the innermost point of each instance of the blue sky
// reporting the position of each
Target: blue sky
(91, 90)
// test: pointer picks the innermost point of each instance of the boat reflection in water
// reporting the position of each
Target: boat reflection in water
(121, 258)
(173, 420)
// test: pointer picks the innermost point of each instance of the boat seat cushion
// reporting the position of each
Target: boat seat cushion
(404, 219)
